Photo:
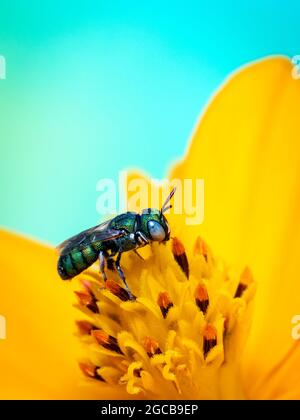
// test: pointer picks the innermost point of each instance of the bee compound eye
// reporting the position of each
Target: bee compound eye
(156, 231)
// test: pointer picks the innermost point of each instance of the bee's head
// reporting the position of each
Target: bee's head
(155, 223)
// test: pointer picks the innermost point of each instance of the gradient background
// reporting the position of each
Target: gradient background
(93, 88)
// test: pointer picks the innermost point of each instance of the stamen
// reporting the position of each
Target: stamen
(117, 290)
(165, 303)
(209, 338)
(88, 299)
(200, 248)
(246, 279)
(201, 297)
(84, 298)
(180, 256)
(151, 346)
(90, 371)
(85, 327)
(107, 341)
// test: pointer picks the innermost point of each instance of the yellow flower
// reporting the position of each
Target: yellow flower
(181, 338)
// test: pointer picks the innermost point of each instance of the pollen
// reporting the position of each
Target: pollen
(187, 324)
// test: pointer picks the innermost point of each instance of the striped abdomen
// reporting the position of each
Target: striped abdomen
(77, 260)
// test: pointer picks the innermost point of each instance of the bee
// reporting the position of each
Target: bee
(125, 232)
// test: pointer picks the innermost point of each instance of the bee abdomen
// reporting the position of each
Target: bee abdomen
(73, 263)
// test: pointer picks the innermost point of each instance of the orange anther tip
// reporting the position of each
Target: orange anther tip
(177, 247)
(151, 345)
(90, 371)
(200, 247)
(164, 300)
(210, 332)
(201, 293)
(246, 277)
(117, 290)
(84, 297)
(101, 336)
(112, 286)
(84, 327)
(87, 369)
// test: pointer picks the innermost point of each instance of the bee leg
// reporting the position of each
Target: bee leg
(110, 262)
(139, 255)
(102, 265)
(122, 276)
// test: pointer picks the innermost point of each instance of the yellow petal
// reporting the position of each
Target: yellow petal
(246, 148)
(39, 357)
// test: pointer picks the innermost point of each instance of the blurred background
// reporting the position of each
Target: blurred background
(95, 87)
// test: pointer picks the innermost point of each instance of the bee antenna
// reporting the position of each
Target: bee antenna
(164, 206)
(167, 208)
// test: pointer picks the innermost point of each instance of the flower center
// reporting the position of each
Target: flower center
(181, 332)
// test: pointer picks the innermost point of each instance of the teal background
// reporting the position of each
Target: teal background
(94, 87)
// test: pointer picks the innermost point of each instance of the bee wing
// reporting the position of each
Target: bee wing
(100, 232)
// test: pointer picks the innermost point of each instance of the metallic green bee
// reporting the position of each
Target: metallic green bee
(125, 232)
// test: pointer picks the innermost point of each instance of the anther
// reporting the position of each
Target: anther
(201, 297)
(85, 327)
(209, 338)
(117, 290)
(88, 299)
(107, 341)
(180, 256)
(90, 371)
(200, 248)
(151, 346)
(246, 279)
(165, 303)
